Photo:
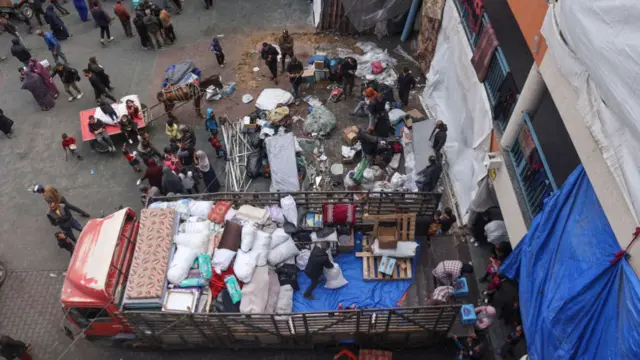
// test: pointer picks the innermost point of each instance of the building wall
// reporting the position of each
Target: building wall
(530, 14)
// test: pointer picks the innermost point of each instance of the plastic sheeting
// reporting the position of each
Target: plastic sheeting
(365, 14)
(600, 59)
(574, 303)
(370, 53)
(282, 162)
(365, 294)
(453, 95)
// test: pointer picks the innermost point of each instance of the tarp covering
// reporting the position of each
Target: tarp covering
(595, 43)
(281, 152)
(574, 303)
(365, 294)
(366, 14)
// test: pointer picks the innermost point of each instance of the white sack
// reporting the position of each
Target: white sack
(282, 163)
(274, 290)
(289, 209)
(254, 294)
(198, 242)
(244, 265)
(201, 208)
(261, 247)
(195, 227)
(285, 300)
(335, 279)
(270, 98)
(302, 259)
(248, 236)
(496, 232)
(279, 237)
(194, 219)
(222, 258)
(397, 181)
(405, 249)
(333, 237)
(182, 261)
(396, 115)
(252, 214)
(275, 213)
(283, 252)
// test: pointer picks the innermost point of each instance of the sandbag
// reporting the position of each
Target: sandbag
(222, 258)
(199, 242)
(195, 227)
(284, 251)
(248, 237)
(254, 299)
(278, 237)
(289, 209)
(182, 261)
(201, 208)
(404, 249)
(274, 291)
(496, 232)
(244, 265)
(335, 279)
(285, 300)
(302, 259)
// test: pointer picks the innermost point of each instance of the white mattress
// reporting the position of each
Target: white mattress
(120, 108)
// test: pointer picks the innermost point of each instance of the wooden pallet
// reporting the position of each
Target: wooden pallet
(406, 224)
(371, 263)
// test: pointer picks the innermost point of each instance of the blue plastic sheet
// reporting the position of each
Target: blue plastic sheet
(365, 294)
(575, 303)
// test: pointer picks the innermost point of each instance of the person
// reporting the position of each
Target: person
(348, 72)
(486, 315)
(6, 125)
(446, 219)
(208, 4)
(187, 137)
(215, 142)
(49, 194)
(13, 30)
(41, 93)
(441, 295)
(82, 9)
(65, 242)
(141, 28)
(295, 71)
(36, 5)
(153, 27)
(131, 158)
(381, 125)
(148, 193)
(448, 271)
(216, 49)
(209, 177)
(430, 175)
(186, 158)
(20, 52)
(318, 261)
(510, 312)
(406, 82)
(147, 151)
(167, 26)
(438, 137)
(69, 143)
(133, 110)
(60, 216)
(57, 26)
(510, 342)
(102, 21)
(286, 46)
(210, 122)
(188, 182)
(108, 110)
(492, 288)
(99, 88)
(68, 76)
(360, 110)
(172, 130)
(63, 11)
(153, 174)
(474, 349)
(13, 349)
(171, 183)
(98, 129)
(99, 72)
(36, 67)
(270, 56)
(125, 18)
(171, 160)
(53, 45)
(129, 128)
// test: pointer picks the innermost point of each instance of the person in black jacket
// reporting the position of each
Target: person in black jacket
(141, 28)
(431, 175)
(295, 70)
(439, 137)
(99, 88)
(405, 83)
(20, 52)
(348, 71)
(270, 56)
(102, 21)
(318, 260)
(37, 10)
(65, 242)
(68, 76)
(60, 216)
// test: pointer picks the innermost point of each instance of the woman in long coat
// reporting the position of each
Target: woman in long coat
(36, 67)
(6, 124)
(37, 87)
(98, 71)
(82, 9)
(58, 29)
(209, 176)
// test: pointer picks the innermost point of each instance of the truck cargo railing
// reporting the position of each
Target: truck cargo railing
(370, 202)
(401, 327)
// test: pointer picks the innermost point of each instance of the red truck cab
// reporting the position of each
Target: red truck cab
(98, 273)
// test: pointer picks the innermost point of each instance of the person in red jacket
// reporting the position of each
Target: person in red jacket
(124, 16)
(69, 143)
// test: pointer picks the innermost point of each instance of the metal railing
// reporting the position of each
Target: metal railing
(532, 170)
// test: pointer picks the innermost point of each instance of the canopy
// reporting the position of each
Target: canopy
(575, 303)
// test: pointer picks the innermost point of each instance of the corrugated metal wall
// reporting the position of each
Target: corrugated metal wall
(334, 18)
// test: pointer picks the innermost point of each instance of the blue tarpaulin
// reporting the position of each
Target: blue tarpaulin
(575, 303)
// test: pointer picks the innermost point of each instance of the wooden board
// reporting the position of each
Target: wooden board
(406, 224)
(371, 263)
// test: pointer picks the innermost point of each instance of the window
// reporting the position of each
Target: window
(84, 316)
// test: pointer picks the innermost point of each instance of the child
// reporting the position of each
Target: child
(189, 183)
(133, 110)
(216, 49)
(215, 142)
(131, 158)
(171, 160)
(210, 123)
(69, 142)
(65, 242)
(128, 127)
(107, 109)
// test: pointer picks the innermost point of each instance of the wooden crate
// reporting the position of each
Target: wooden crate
(370, 264)
(406, 224)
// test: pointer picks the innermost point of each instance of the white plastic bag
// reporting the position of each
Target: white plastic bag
(332, 237)
(289, 209)
(248, 238)
(222, 258)
(285, 300)
(396, 115)
(278, 237)
(283, 252)
(397, 181)
(198, 242)
(270, 98)
(201, 208)
(244, 265)
(182, 261)
(404, 249)
(261, 247)
(302, 259)
(275, 212)
(335, 279)
(496, 232)
(195, 227)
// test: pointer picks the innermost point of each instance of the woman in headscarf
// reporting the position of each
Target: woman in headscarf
(41, 93)
(98, 71)
(58, 29)
(36, 67)
(209, 177)
(82, 9)
(153, 174)
(171, 183)
(6, 124)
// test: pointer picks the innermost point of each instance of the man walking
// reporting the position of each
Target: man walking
(141, 28)
(12, 29)
(60, 216)
(49, 193)
(68, 76)
(438, 138)
(102, 21)
(125, 19)
(59, 7)
(153, 27)
(406, 82)
(37, 10)
(295, 70)
(24, 19)
(348, 72)
(286, 46)
(20, 52)
(53, 45)
(270, 56)
(99, 88)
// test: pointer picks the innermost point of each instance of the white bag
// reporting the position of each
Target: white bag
(254, 294)
(183, 207)
(279, 237)
(335, 280)
(405, 249)
(222, 258)
(248, 237)
(182, 261)
(244, 266)
(333, 237)
(199, 242)
(302, 259)
(397, 181)
(396, 115)
(252, 214)
(283, 252)
(270, 98)
(289, 209)
(261, 247)
(285, 300)
(195, 227)
(274, 290)
(496, 232)
(275, 212)
(201, 208)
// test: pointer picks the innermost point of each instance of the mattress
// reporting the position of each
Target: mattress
(151, 257)
(150, 303)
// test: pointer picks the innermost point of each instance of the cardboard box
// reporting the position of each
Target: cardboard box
(388, 237)
(350, 134)
(248, 124)
(318, 65)
(387, 265)
(415, 114)
(468, 314)
(321, 75)
(308, 76)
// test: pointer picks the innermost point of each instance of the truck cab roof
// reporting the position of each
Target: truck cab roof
(92, 274)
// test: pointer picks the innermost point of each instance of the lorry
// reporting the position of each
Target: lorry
(17, 8)
(93, 291)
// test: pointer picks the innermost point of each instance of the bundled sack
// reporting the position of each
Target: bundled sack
(231, 236)
(254, 294)
(222, 258)
(274, 290)
(335, 279)
(279, 237)
(289, 209)
(288, 275)
(404, 249)
(252, 214)
(191, 227)
(284, 304)
(182, 261)
(201, 208)
(261, 247)
(244, 266)
(326, 234)
(183, 207)
(248, 237)
(219, 210)
(282, 252)
(199, 242)
(303, 258)
(496, 232)
(275, 213)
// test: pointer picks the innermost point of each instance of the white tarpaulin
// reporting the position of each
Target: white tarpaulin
(281, 151)
(454, 95)
(600, 59)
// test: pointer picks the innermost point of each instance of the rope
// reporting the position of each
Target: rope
(620, 254)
